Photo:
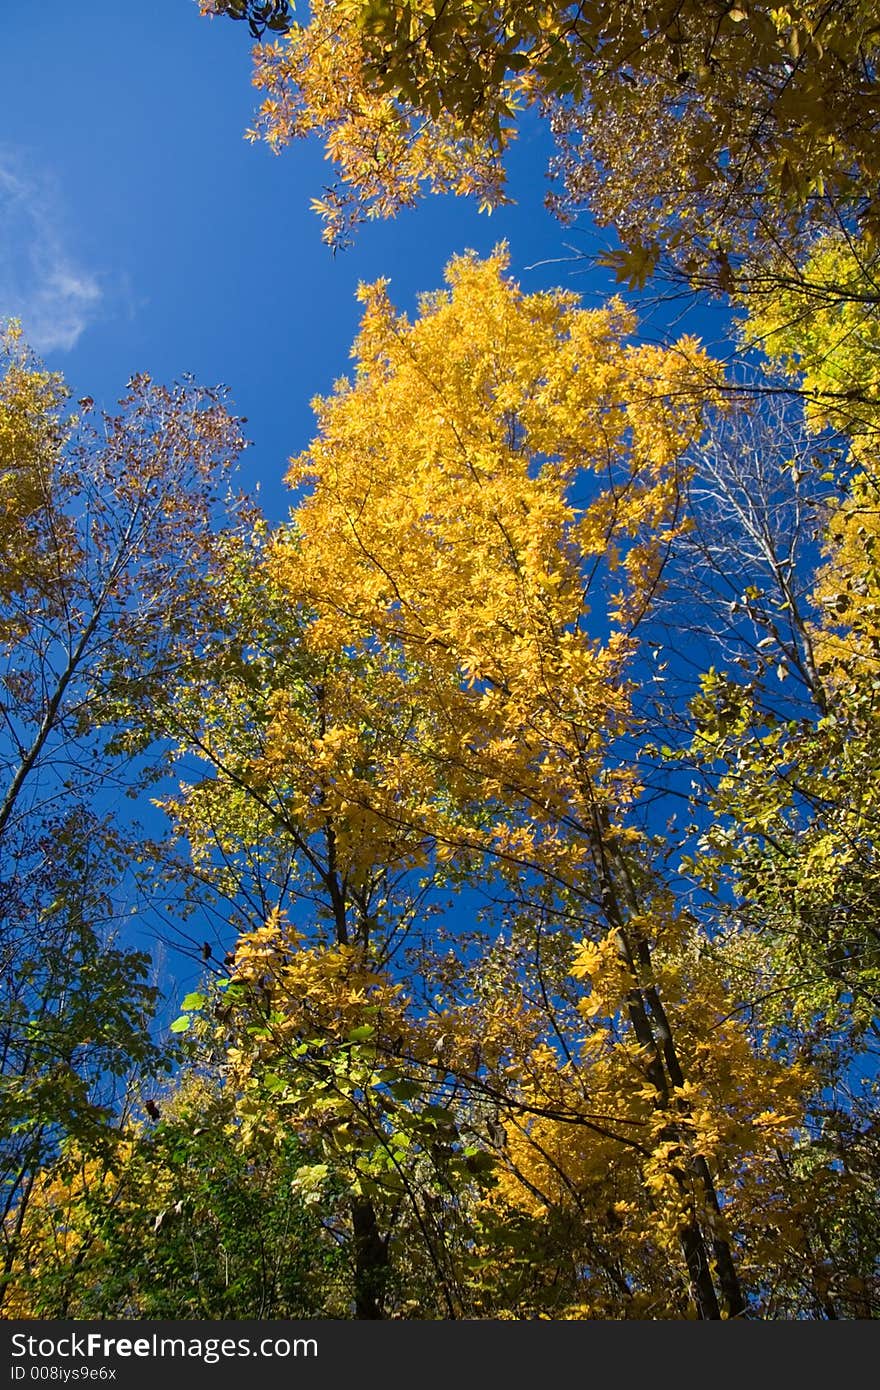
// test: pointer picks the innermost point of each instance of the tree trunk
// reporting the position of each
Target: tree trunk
(370, 1261)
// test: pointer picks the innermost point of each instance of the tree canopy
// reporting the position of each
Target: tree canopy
(695, 129)
(518, 792)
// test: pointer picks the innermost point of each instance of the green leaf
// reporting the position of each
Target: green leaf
(361, 1034)
(405, 1090)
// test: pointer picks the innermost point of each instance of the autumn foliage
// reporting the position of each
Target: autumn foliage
(526, 773)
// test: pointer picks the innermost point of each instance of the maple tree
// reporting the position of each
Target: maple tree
(698, 131)
(820, 327)
(259, 838)
(790, 851)
(722, 145)
(803, 794)
(119, 523)
(106, 532)
(446, 705)
(263, 845)
(783, 745)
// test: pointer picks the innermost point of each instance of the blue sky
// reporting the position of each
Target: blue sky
(142, 232)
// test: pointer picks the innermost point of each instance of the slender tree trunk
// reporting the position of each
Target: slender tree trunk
(370, 1250)
(651, 1026)
(370, 1261)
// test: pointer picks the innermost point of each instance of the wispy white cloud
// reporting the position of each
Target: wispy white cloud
(40, 282)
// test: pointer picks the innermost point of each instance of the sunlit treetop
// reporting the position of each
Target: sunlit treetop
(485, 508)
(31, 434)
(694, 128)
(821, 327)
